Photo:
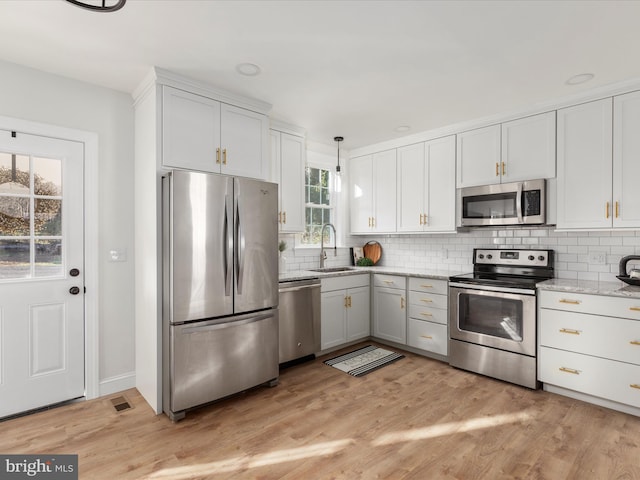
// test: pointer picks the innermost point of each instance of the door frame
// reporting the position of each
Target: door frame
(91, 297)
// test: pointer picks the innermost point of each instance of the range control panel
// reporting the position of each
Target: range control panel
(525, 258)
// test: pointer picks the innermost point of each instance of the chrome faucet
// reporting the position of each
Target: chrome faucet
(323, 254)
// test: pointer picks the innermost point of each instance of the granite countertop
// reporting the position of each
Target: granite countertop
(413, 272)
(616, 289)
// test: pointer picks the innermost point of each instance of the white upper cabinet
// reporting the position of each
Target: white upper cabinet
(288, 157)
(372, 190)
(426, 186)
(585, 165)
(626, 160)
(523, 149)
(200, 133)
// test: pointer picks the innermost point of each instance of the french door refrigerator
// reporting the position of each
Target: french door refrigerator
(220, 287)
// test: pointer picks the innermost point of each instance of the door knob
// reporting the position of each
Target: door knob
(74, 290)
(74, 272)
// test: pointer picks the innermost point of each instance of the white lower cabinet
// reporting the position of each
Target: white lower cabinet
(389, 308)
(345, 309)
(590, 344)
(428, 315)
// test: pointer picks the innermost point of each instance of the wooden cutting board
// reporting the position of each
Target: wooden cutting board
(372, 250)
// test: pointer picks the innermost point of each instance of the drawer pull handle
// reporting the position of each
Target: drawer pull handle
(635, 385)
(426, 300)
(569, 330)
(401, 302)
(634, 309)
(426, 286)
(635, 342)
(572, 302)
(389, 282)
(569, 370)
(429, 337)
(431, 315)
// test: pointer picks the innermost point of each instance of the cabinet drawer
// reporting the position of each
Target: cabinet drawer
(607, 337)
(599, 377)
(428, 336)
(427, 300)
(389, 281)
(343, 282)
(429, 285)
(436, 315)
(595, 304)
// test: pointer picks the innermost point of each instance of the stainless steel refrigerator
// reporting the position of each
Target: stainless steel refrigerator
(220, 287)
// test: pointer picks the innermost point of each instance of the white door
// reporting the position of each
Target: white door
(41, 272)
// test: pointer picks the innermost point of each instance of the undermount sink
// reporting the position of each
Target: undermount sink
(331, 269)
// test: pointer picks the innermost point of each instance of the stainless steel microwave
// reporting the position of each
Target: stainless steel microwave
(517, 203)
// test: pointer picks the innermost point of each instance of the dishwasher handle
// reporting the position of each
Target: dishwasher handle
(299, 285)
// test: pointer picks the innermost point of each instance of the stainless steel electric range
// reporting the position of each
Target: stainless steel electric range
(492, 314)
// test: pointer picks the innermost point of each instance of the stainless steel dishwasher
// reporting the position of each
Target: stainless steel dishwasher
(299, 319)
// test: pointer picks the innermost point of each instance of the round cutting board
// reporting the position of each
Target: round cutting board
(372, 250)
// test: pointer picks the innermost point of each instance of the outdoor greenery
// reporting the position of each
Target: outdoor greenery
(318, 210)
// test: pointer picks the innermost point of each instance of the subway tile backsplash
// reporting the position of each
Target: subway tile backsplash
(579, 255)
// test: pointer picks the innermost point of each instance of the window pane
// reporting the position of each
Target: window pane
(307, 214)
(48, 217)
(48, 258)
(326, 217)
(14, 259)
(325, 196)
(47, 176)
(314, 176)
(324, 178)
(14, 216)
(314, 194)
(316, 217)
(14, 174)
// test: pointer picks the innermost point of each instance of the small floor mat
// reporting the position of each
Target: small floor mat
(364, 360)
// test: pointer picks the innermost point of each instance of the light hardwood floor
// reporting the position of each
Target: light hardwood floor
(414, 419)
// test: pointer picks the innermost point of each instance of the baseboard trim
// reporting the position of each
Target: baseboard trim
(117, 384)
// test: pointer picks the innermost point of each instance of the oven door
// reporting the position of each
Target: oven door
(495, 318)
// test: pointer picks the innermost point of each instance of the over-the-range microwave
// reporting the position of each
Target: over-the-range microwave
(517, 203)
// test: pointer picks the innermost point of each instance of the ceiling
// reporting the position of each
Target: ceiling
(353, 68)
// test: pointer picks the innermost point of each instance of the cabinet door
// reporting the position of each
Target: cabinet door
(384, 191)
(529, 148)
(292, 183)
(585, 165)
(478, 157)
(626, 160)
(274, 164)
(333, 317)
(358, 317)
(190, 131)
(244, 142)
(412, 181)
(361, 194)
(390, 319)
(441, 187)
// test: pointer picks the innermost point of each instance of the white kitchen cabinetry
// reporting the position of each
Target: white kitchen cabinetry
(626, 160)
(522, 149)
(201, 133)
(585, 165)
(590, 345)
(288, 158)
(372, 190)
(427, 186)
(389, 308)
(345, 309)
(428, 315)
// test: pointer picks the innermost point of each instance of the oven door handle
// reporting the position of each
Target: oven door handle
(519, 202)
(489, 288)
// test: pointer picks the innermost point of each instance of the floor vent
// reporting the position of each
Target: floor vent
(120, 403)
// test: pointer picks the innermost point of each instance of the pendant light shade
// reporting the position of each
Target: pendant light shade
(338, 139)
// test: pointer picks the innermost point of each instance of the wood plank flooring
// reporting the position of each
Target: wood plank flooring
(414, 419)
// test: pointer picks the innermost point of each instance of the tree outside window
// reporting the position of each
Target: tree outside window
(318, 208)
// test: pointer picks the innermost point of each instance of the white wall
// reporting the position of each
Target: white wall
(44, 98)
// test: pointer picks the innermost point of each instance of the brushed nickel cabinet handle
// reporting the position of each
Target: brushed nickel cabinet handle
(569, 370)
(571, 302)
(569, 330)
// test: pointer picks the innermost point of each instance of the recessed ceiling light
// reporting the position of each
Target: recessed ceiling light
(248, 69)
(402, 128)
(580, 78)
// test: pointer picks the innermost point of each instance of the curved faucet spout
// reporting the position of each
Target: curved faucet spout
(323, 254)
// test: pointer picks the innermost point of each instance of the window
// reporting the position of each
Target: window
(318, 205)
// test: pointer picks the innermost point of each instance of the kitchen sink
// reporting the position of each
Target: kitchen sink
(331, 269)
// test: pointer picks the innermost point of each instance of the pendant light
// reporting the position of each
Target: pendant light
(112, 7)
(338, 139)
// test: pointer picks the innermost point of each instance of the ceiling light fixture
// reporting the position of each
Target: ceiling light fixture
(402, 128)
(338, 139)
(248, 69)
(100, 6)
(580, 78)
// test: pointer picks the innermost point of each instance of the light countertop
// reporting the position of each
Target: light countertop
(408, 272)
(616, 289)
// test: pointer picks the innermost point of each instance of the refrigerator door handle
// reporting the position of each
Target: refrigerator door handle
(239, 244)
(221, 326)
(228, 245)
